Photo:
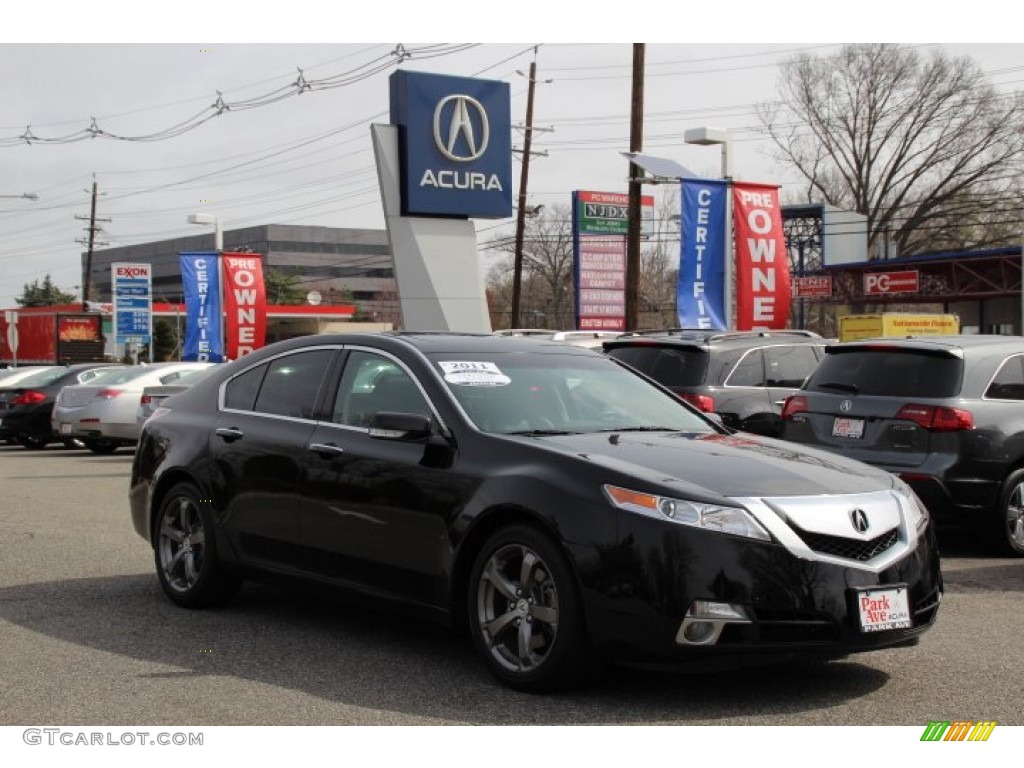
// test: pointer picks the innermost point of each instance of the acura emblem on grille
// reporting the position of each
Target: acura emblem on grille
(860, 520)
(845, 406)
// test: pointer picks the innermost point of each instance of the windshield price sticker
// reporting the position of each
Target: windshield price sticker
(882, 609)
(472, 374)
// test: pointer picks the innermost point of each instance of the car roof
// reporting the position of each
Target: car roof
(706, 338)
(953, 344)
(429, 342)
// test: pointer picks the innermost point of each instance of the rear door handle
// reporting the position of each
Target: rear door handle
(326, 448)
(230, 434)
(780, 403)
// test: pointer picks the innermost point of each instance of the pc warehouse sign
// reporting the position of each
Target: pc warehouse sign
(455, 145)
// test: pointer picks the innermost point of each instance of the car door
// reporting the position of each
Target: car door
(267, 416)
(375, 512)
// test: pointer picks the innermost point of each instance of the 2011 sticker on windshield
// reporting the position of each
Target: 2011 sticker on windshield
(469, 374)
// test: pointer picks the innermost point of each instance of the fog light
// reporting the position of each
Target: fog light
(699, 632)
(706, 619)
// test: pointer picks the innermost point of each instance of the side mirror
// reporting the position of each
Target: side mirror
(388, 425)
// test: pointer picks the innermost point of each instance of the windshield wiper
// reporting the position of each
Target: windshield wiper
(541, 432)
(842, 387)
(641, 429)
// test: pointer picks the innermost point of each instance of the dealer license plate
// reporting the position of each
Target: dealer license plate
(843, 427)
(65, 428)
(883, 608)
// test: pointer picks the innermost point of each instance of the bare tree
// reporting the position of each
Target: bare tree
(659, 264)
(547, 288)
(925, 148)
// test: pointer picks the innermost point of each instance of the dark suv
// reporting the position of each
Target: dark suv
(743, 376)
(944, 413)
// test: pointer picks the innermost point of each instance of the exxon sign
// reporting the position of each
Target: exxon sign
(455, 144)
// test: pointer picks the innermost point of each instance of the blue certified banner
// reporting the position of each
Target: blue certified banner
(700, 295)
(200, 277)
(455, 145)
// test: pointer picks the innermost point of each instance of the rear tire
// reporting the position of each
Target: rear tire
(32, 442)
(1007, 525)
(525, 616)
(101, 446)
(185, 550)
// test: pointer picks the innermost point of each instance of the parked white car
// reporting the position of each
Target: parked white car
(102, 413)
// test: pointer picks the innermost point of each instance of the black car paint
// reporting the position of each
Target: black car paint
(415, 511)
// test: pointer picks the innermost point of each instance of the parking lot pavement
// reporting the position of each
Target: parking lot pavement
(86, 637)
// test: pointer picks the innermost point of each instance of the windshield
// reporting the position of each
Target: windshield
(121, 375)
(44, 377)
(521, 393)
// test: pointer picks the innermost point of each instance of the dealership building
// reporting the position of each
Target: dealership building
(331, 266)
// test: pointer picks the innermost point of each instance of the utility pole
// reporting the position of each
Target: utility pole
(636, 140)
(517, 269)
(91, 243)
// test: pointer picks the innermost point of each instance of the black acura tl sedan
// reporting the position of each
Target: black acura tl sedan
(556, 503)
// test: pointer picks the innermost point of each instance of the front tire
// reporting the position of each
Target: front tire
(186, 551)
(524, 613)
(1007, 527)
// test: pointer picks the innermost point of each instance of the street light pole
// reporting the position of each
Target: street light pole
(705, 137)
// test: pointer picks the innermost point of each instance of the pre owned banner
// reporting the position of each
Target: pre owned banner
(762, 263)
(200, 279)
(245, 304)
(700, 295)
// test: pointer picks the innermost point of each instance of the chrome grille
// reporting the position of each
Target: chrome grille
(849, 549)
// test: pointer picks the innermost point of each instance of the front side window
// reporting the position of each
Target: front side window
(372, 383)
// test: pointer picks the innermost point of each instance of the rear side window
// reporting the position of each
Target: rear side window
(669, 366)
(749, 372)
(240, 393)
(292, 384)
(888, 373)
(789, 366)
(1008, 383)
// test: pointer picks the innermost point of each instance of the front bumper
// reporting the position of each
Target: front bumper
(795, 606)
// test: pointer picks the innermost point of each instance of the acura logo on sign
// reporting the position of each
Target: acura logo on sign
(860, 520)
(845, 406)
(460, 124)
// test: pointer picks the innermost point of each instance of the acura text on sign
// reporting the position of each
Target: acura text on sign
(455, 145)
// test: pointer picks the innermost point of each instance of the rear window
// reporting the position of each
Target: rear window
(888, 373)
(669, 366)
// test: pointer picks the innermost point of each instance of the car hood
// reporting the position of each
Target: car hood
(723, 465)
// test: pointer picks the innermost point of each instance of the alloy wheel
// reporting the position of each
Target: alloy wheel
(182, 545)
(1014, 512)
(517, 608)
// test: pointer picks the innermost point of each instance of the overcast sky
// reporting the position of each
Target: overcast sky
(307, 159)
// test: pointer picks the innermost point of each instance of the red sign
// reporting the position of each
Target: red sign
(818, 286)
(245, 304)
(883, 283)
(601, 292)
(762, 263)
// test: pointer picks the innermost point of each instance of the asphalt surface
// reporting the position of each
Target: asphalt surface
(87, 638)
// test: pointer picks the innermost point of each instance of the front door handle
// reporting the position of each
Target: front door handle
(326, 448)
(230, 434)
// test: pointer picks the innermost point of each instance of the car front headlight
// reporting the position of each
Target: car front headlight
(917, 513)
(710, 517)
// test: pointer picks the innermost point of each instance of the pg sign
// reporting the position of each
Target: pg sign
(885, 283)
(455, 145)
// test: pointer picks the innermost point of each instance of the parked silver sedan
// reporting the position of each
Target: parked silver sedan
(153, 397)
(102, 413)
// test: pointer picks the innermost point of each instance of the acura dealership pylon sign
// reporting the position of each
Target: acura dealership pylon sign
(455, 145)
